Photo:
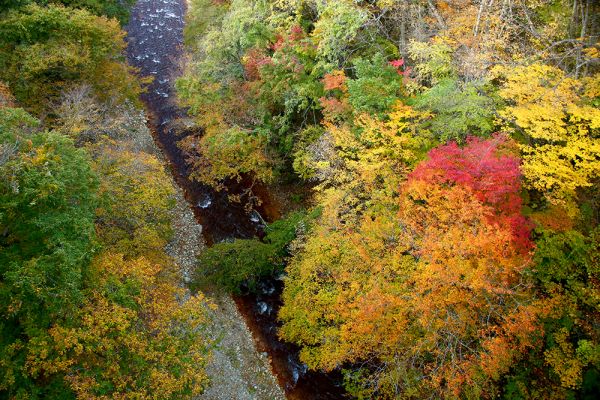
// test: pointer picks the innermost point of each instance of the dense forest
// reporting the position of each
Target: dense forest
(436, 165)
(449, 153)
(91, 305)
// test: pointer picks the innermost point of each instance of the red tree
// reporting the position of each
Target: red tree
(491, 171)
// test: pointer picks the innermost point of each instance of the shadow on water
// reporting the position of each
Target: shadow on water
(298, 382)
(155, 40)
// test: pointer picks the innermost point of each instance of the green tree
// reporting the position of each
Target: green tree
(44, 50)
(47, 205)
(566, 270)
(377, 85)
(245, 261)
(458, 110)
(118, 9)
(338, 25)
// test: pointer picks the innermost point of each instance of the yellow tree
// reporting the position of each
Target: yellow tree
(135, 336)
(137, 195)
(558, 130)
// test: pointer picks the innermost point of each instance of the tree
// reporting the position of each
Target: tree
(108, 8)
(47, 204)
(243, 262)
(87, 120)
(136, 198)
(377, 86)
(565, 270)
(338, 25)
(556, 128)
(134, 335)
(231, 154)
(474, 312)
(459, 110)
(436, 294)
(433, 62)
(488, 168)
(44, 50)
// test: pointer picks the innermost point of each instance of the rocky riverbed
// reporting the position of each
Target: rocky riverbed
(237, 370)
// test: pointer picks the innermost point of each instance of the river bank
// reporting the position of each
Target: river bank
(236, 370)
(250, 360)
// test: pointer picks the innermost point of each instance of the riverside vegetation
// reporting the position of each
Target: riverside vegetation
(91, 305)
(453, 151)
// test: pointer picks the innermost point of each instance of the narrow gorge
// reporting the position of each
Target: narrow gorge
(241, 367)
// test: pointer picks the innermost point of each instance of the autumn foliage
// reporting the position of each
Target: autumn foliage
(91, 306)
(490, 169)
(433, 292)
(452, 149)
(447, 153)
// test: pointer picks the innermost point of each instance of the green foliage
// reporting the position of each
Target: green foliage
(90, 305)
(44, 50)
(70, 311)
(433, 62)
(48, 203)
(289, 85)
(248, 76)
(566, 271)
(234, 143)
(244, 261)
(47, 238)
(338, 25)
(15, 124)
(200, 17)
(567, 260)
(118, 9)
(377, 86)
(224, 45)
(458, 110)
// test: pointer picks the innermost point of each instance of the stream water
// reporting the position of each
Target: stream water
(155, 40)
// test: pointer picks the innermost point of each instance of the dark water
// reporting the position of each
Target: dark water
(298, 382)
(155, 39)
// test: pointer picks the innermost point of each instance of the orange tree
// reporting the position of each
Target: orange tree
(429, 300)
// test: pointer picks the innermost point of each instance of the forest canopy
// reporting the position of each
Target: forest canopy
(452, 151)
(435, 164)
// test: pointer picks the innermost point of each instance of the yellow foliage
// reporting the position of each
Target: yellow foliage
(138, 196)
(563, 360)
(146, 346)
(560, 145)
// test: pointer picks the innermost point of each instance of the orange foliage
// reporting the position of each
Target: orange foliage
(470, 299)
(335, 80)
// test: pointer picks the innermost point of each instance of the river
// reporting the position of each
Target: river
(155, 47)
